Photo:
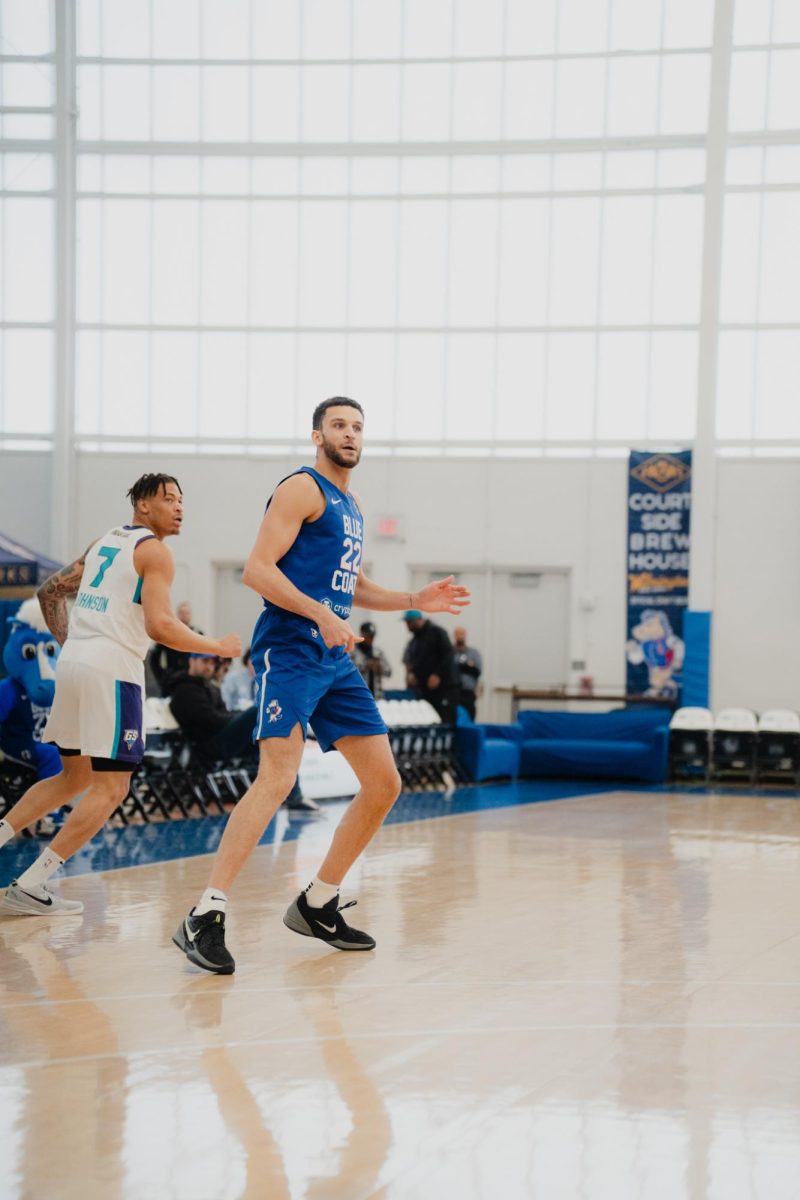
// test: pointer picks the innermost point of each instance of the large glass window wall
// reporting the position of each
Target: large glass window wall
(27, 219)
(758, 395)
(485, 221)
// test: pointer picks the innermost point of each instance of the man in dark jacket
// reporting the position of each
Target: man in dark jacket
(431, 665)
(198, 707)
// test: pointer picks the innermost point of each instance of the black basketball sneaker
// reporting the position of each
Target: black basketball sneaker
(327, 924)
(202, 940)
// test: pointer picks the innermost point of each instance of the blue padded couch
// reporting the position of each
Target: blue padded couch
(621, 744)
(487, 751)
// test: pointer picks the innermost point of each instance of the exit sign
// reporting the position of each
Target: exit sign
(389, 527)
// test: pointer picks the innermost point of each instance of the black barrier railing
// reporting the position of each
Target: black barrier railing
(426, 757)
(176, 780)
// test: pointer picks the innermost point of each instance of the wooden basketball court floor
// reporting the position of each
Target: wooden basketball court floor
(595, 996)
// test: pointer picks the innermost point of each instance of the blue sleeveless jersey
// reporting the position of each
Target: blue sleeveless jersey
(325, 558)
(299, 680)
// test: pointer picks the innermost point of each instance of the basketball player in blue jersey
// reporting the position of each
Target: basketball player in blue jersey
(306, 564)
(121, 587)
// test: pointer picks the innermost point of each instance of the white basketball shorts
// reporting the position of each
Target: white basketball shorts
(99, 701)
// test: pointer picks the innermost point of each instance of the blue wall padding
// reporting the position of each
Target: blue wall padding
(697, 665)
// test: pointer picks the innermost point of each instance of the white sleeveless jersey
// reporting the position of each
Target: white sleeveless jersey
(109, 603)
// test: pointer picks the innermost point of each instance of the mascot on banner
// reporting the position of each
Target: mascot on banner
(655, 644)
(26, 696)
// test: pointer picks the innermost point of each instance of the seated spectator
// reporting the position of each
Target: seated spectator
(221, 673)
(372, 663)
(197, 706)
(239, 685)
(163, 661)
(470, 667)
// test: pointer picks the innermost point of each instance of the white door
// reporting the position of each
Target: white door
(530, 628)
(236, 607)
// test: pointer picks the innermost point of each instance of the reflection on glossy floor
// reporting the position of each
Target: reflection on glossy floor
(594, 998)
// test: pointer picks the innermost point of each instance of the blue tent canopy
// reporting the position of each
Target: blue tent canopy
(21, 567)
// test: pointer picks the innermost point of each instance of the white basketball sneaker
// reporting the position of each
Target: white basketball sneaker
(38, 902)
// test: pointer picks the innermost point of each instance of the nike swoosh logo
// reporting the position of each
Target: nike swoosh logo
(336, 502)
(188, 930)
(47, 903)
(218, 898)
(327, 928)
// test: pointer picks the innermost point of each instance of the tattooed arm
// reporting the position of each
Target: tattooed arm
(52, 596)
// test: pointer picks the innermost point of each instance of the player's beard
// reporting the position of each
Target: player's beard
(335, 457)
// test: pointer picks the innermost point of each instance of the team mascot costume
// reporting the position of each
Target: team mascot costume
(26, 696)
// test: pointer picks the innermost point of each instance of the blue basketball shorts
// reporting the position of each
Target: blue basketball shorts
(300, 681)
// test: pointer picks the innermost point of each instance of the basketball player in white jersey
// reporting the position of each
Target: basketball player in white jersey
(122, 602)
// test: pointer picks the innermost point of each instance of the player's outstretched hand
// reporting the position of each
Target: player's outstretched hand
(443, 596)
(336, 632)
(230, 646)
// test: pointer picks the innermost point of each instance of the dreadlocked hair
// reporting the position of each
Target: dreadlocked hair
(150, 485)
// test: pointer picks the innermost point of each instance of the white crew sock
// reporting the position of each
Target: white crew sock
(40, 871)
(319, 893)
(7, 832)
(212, 899)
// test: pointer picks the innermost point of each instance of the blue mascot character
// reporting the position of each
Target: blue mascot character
(656, 645)
(26, 696)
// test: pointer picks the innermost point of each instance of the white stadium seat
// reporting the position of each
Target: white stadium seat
(158, 715)
(690, 743)
(692, 718)
(779, 720)
(734, 743)
(778, 754)
(397, 713)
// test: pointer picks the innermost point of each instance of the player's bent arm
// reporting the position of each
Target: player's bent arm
(443, 595)
(369, 594)
(298, 499)
(154, 562)
(52, 596)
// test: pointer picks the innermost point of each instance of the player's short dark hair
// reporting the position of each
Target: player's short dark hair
(333, 402)
(150, 485)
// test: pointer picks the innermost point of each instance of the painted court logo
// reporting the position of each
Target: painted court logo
(275, 711)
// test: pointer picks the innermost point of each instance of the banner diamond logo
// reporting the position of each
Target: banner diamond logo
(661, 472)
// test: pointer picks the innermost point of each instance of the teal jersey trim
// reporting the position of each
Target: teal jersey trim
(137, 595)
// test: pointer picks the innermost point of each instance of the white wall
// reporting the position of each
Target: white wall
(529, 514)
(756, 647)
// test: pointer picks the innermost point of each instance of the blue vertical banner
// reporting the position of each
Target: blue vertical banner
(659, 513)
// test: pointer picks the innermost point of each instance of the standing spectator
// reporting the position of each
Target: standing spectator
(470, 668)
(372, 663)
(239, 686)
(163, 660)
(431, 665)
